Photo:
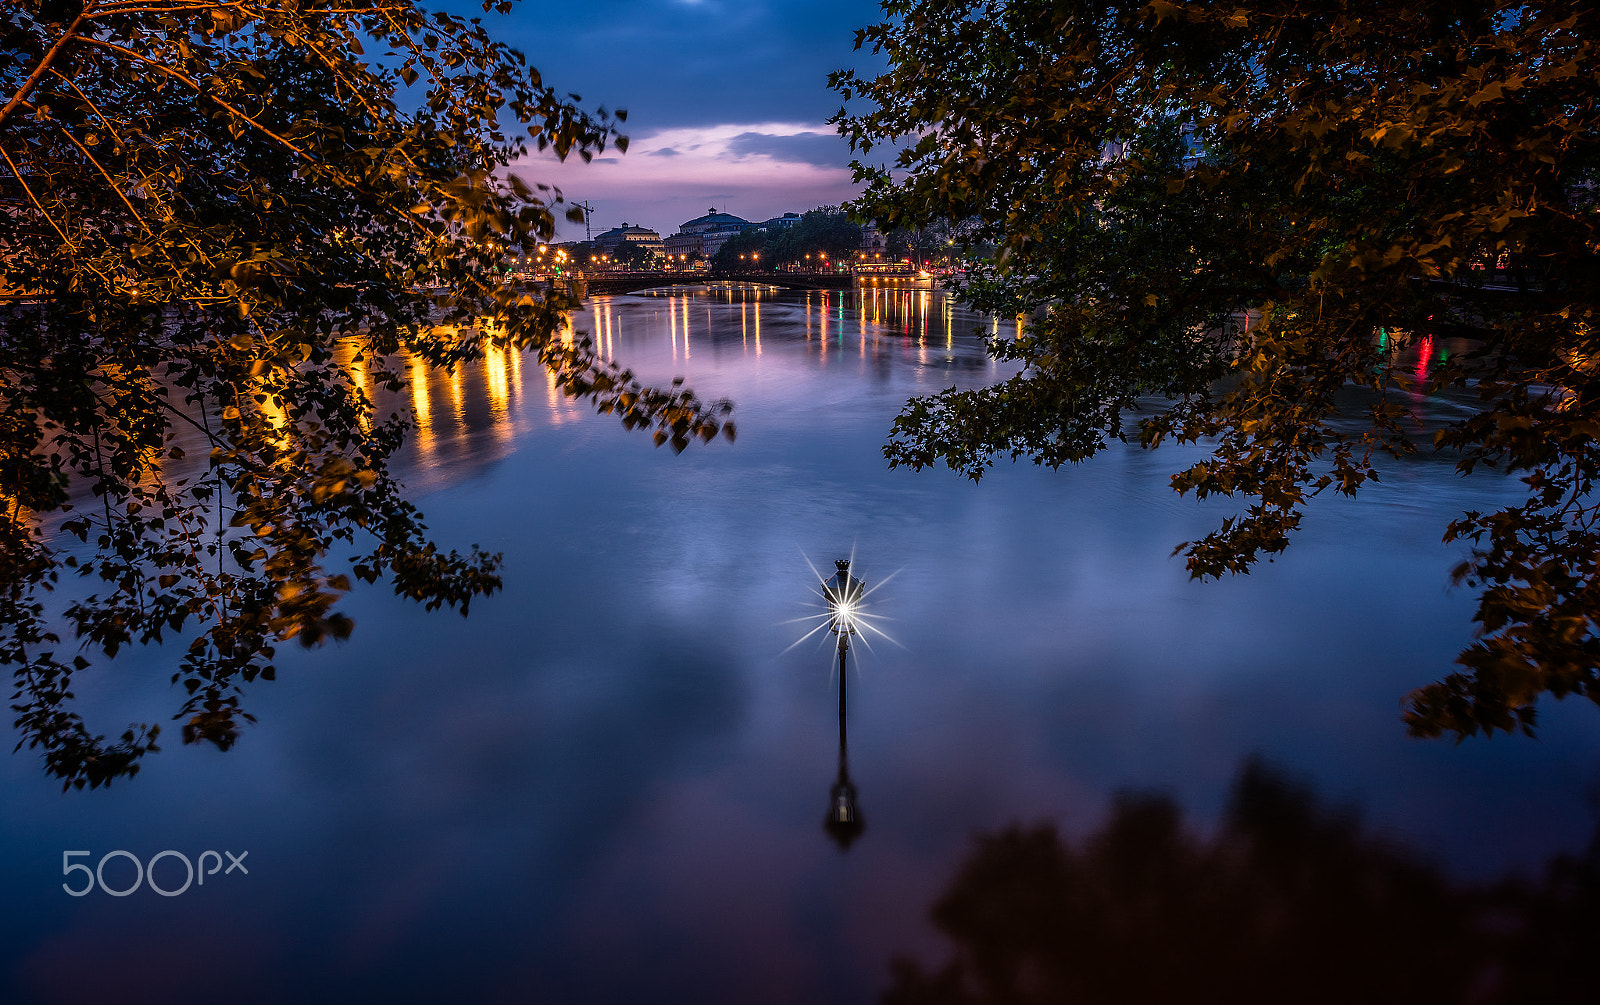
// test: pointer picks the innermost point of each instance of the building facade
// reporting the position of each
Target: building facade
(681, 246)
(706, 234)
(873, 243)
(778, 223)
(607, 243)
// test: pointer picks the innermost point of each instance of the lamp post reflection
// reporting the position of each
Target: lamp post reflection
(843, 594)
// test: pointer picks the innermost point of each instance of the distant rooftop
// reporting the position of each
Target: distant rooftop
(713, 221)
(626, 229)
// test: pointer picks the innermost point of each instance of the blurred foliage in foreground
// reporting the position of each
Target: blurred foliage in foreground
(1289, 901)
(199, 204)
(1149, 171)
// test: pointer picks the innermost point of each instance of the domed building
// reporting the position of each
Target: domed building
(785, 222)
(705, 234)
(612, 239)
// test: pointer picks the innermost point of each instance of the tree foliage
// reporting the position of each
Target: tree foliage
(205, 210)
(633, 255)
(923, 244)
(825, 231)
(1288, 899)
(735, 253)
(1148, 171)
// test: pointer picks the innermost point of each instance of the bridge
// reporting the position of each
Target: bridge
(601, 283)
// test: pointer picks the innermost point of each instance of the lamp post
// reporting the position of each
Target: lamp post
(843, 594)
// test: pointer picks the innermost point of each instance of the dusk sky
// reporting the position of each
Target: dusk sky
(727, 102)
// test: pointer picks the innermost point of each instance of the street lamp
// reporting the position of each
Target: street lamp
(843, 595)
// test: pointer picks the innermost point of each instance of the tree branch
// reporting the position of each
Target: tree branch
(39, 71)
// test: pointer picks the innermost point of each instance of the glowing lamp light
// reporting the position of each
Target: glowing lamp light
(843, 595)
(844, 823)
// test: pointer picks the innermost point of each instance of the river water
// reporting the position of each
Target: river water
(609, 783)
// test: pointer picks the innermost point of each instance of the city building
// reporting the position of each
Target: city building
(778, 223)
(681, 246)
(607, 243)
(705, 234)
(873, 243)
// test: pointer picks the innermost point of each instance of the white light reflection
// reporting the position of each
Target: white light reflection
(857, 615)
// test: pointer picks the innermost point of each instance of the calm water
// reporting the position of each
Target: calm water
(608, 784)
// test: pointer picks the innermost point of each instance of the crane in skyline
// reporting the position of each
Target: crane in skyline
(588, 211)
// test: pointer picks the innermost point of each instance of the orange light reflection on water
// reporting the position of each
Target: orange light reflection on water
(485, 401)
(421, 405)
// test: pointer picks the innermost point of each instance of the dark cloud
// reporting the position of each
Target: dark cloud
(824, 149)
(680, 63)
(692, 65)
